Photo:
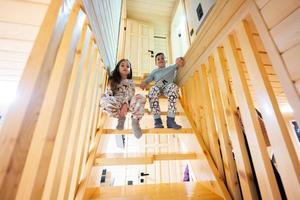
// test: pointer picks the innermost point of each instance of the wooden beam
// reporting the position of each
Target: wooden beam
(222, 190)
(87, 135)
(257, 145)
(225, 142)
(63, 134)
(210, 122)
(278, 134)
(246, 177)
(149, 131)
(85, 176)
(109, 159)
(37, 163)
(200, 102)
(79, 128)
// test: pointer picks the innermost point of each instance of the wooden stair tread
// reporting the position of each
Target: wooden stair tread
(148, 131)
(147, 111)
(109, 159)
(174, 191)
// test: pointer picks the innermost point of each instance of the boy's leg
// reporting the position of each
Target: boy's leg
(137, 105)
(172, 92)
(154, 93)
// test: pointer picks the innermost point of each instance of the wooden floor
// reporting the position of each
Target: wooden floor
(175, 191)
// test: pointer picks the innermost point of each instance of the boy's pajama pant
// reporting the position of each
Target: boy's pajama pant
(112, 105)
(171, 91)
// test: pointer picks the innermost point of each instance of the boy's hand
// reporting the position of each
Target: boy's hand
(123, 110)
(180, 62)
(143, 85)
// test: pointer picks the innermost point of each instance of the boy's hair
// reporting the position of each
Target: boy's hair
(115, 78)
(158, 54)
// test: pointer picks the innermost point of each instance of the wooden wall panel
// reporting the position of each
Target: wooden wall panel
(18, 31)
(22, 12)
(261, 3)
(297, 85)
(286, 34)
(104, 17)
(276, 11)
(292, 60)
(15, 45)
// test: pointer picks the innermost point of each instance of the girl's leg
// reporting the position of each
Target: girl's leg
(137, 105)
(112, 106)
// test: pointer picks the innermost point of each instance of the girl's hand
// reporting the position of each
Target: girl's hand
(180, 62)
(123, 110)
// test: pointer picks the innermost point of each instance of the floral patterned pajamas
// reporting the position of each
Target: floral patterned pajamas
(112, 102)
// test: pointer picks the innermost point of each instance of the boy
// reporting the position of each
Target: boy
(164, 85)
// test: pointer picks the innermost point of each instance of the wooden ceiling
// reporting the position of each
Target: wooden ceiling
(156, 12)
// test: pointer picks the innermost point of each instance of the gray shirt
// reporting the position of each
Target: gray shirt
(162, 76)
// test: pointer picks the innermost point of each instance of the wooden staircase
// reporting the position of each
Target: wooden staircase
(197, 189)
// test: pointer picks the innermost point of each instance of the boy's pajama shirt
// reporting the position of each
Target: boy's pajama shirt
(164, 85)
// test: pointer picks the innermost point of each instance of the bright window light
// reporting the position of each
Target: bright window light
(7, 93)
(286, 108)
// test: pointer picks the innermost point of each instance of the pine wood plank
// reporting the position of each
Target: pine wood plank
(282, 146)
(22, 12)
(237, 137)
(77, 82)
(80, 127)
(261, 3)
(261, 161)
(200, 103)
(211, 127)
(78, 166)
(219, 186)
(292, 59)
(21, 117)
(149, 131)
(286, 34)
(277, 10)
(37, 163)
(109, 159)
(225, 143)
(176, 191)
(89, 163)
(276, 59)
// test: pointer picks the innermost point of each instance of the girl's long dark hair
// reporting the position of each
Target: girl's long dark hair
(115, 77)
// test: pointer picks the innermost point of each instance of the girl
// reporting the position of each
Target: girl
(119, 98)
